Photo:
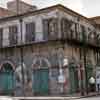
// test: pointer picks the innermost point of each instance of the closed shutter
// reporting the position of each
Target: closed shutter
(63, 29)
(13, 30)
(7, 82)
(45, 29)
(36, 81)
(44, 81)
(40, 82)
(66, 28)
(53, 29)
(30, 32)
(89, 71)
(73, 73)
(1, 36)
(84, 38)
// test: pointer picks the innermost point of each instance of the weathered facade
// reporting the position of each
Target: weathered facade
(51, 51)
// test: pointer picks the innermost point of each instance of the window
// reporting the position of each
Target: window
(13, 30)
(92, 36)
(30, 32)
(1, 36)
(50, 28)
(67, 28)
(83, 33)
(7, 78)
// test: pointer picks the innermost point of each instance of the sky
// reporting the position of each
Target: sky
(87, 8)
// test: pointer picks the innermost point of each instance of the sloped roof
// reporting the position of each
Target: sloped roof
(94, 18)
(46, 10)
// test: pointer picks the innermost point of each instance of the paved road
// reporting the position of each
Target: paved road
(89, 98)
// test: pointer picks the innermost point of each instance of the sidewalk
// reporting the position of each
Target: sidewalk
(71, 97)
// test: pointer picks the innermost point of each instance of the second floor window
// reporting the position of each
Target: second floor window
(1, 36)
(13, 30)
(50, 28)
(30, 32)
(67, 28)
(83, 30)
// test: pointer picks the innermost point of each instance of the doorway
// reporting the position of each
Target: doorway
(41, 81)
(7, 79)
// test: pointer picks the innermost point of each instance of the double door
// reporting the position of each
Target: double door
(41, 81)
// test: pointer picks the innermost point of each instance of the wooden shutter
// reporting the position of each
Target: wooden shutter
(84, 38)
(63, 29)
(7, 79)
(1, 36)
(13, 30)
(53, 28)
(40, 81)
(45, 29)
(30, 32)
(66, 28)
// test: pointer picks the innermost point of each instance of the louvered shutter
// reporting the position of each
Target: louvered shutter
(30, 32)
(13, 30)
(45, 29)
(1, 36)
(53, 29)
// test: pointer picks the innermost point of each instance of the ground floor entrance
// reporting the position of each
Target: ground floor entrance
(74, 81)
(7, 80)
(41, 82)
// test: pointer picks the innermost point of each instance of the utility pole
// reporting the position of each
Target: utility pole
(21, 54)
(21, 48)
(85, 59)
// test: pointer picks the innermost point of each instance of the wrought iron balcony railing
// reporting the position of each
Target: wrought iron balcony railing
(18, 42)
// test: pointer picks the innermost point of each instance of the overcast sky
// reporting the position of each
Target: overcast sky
(88, 8)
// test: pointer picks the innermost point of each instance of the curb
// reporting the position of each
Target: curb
(52, 98)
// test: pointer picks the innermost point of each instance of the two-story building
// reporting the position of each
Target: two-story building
(50, 51)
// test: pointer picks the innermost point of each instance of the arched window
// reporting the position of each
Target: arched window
(6, 79)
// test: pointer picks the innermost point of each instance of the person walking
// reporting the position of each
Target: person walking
(98, 83)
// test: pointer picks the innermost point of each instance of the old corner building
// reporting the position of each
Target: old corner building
(51, 51)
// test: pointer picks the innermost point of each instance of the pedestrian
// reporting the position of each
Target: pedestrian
(98, 83)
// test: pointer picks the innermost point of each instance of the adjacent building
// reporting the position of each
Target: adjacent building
(49, 51)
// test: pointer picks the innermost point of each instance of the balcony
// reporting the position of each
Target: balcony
(78, 39)
(82, 40)
(8, 43)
